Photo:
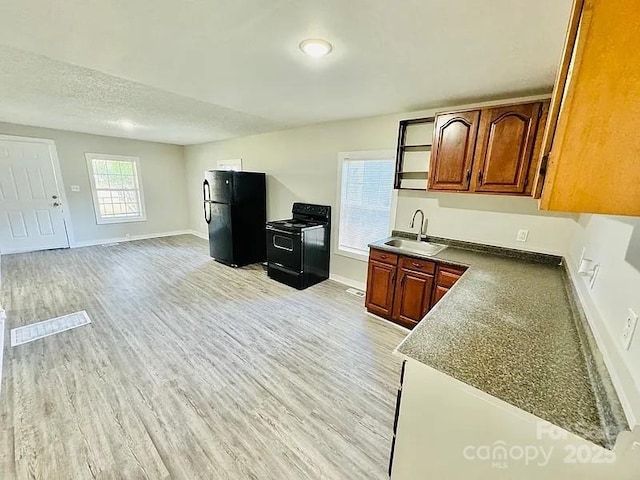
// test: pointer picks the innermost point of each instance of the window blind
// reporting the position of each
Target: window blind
(365, 204)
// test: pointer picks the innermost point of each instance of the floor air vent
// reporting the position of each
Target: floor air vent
(35, 331)
(356, 292)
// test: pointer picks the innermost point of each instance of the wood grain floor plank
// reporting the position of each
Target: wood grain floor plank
(190, 370)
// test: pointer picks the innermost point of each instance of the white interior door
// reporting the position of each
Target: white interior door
(31, 216)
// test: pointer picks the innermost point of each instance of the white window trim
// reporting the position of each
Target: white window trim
(96, 205)
(361, 155)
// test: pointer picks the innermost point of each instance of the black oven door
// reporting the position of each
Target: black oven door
(284, 249)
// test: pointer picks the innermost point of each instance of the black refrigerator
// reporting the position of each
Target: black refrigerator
(235, 209)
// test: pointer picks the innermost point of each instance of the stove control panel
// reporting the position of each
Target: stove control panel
(312, 210)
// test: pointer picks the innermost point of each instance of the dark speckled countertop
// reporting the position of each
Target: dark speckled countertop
(507, 327)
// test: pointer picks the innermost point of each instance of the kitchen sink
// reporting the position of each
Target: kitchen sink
(423, 248)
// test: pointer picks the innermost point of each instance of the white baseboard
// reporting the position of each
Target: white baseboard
(11, 251)
(195, 233)
(348, 282)
(2, 322)
(389, 323)
(103, 241)
(132, 238)
(620, 376)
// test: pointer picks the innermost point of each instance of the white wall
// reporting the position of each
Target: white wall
(488, 219)
(162, 173)
(610, 242)
(302, 165)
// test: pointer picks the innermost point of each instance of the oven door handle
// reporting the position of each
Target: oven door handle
(280, 246)
(273, 229)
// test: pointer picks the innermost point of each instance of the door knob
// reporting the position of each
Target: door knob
(56, 204)
(55, 197)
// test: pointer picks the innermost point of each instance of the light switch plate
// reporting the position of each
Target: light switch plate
(75, 188)
(629, 328)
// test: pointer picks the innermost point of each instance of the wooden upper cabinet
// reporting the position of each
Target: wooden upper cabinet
(592, 142)
(380, 287)
(504, 150)
(454, 142)
(494, 150)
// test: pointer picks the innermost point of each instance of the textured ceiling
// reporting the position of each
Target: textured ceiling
(36, 90)
(190, 71)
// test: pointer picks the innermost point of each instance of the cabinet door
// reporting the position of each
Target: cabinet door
(592, 138)
(506, 138)
(413, 297)
(380, 288)
(454, 141)
(438, 293)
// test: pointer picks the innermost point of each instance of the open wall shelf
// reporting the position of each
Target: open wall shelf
(413, 153)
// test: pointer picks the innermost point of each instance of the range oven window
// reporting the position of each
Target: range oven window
(283, 243)
(284, 249)
(366, 198)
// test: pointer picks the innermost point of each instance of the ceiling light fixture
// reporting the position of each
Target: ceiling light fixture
(126, 124)
(315, 47)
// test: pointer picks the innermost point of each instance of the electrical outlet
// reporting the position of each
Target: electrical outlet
(594, 275)
(75, 188)
(629, 329)
(127, 236)
(522, 235)
(582, 256)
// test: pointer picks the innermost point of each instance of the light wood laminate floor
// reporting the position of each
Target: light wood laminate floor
(190, 370)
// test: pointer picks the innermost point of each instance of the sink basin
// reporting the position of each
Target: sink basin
(423, 248)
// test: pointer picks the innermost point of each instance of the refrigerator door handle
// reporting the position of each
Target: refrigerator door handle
(207, 212)
(206, 191)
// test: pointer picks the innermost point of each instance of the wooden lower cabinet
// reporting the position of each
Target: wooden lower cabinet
(446, 276)
(438, 293)
(380, 288)
(412, 299)
(403, 289)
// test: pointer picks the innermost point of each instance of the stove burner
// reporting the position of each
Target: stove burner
(295, 223)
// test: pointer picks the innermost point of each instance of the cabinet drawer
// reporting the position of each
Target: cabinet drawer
(447, 276)
(417, 265)
(384, 257)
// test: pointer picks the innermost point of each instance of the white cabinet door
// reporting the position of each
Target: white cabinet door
(448, 430)
(31, 215)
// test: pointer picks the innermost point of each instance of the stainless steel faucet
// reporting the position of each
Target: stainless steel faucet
(420, 232)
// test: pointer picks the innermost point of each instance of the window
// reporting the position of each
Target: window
(365, 200)
(117, 192)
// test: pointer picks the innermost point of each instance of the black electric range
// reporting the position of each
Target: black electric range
(298, 248)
